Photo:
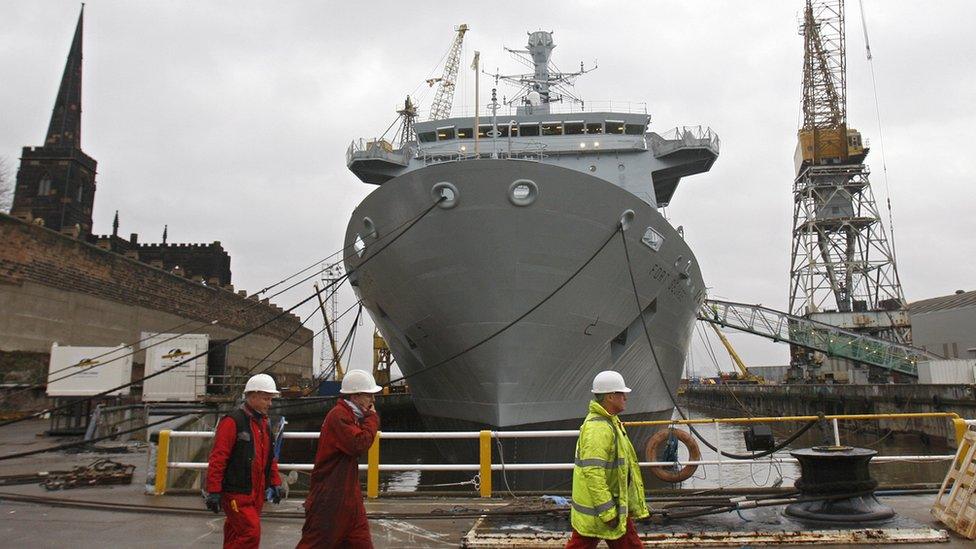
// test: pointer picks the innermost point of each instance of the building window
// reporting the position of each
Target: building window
(528, 130)
(615, 126)
(464, 133)
(594, 128)
(427, 137)
(44, 187)
(81, 192)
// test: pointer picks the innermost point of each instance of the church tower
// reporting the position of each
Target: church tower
(56, 181)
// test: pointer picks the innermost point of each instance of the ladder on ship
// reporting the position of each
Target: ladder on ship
(816, 336)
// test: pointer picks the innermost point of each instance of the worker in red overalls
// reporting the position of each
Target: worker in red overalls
(334, 512)
(242, 465)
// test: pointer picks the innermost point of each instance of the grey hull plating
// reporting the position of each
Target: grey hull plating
(462, 273)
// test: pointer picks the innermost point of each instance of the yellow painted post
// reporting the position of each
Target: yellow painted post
(960, 426)
(162, 462)
(373, 469)
(485, 461)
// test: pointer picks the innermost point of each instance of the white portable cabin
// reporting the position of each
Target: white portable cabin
(87, 371)
(184, 383)
(947, 372)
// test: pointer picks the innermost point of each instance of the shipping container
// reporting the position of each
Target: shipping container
(184, 383)
(87, 371)
(947, 372)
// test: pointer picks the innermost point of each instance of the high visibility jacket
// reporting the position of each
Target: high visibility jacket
(607, 481)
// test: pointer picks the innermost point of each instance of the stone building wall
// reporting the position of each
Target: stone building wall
(54, 288)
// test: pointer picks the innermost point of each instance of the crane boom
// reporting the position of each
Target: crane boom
(744, 373)
(444, 98)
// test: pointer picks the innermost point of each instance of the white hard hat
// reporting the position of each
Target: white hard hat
(358, 381)
(609, 381)
(261, 382)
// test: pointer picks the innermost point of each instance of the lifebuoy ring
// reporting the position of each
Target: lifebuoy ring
(654, 445)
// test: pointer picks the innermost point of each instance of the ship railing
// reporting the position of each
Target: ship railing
(563, 107)
(483, 470)
(683, 137)
(376, 149)
(534, 154)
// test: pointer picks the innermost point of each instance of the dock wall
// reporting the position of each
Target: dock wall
(798, 400)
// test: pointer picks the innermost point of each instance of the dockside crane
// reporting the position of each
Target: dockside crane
(842, 268)
(444, 98)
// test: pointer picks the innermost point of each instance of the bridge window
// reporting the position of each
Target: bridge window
(594, 128)
(464, 133)
(615, 126)
(503, 130)
(445, 134)
(483, 131)
(635, 129)
(528, 130)
(427, 137)
(575, 128)
(552, 128)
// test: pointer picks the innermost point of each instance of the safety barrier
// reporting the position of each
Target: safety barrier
(485, 467)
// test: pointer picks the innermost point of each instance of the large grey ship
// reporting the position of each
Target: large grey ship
(524, 206)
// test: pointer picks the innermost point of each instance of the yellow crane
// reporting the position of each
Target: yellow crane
(743, 375)
(444, 98)
(382, 361)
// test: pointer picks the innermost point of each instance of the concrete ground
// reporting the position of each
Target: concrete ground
(35, 524)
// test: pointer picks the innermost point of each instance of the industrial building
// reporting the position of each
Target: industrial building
(946, 325)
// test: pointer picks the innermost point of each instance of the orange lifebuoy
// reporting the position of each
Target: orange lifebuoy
(654, 445)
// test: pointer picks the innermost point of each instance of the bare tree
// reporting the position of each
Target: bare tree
(6, 186)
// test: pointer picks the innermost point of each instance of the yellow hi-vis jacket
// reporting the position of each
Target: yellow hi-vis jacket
(607, 481)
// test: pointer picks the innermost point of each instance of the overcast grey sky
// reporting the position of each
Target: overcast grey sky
(229, 120)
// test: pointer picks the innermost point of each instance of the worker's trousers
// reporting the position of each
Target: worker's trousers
(242, 529)
(630, 540)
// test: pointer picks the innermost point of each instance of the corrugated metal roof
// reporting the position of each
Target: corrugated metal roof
(944, 303)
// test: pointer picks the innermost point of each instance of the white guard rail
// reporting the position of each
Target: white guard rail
(485, 466)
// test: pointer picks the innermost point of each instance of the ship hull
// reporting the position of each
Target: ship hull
(461, 273)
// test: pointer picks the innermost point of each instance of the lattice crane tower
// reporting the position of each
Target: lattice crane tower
(842, 268)
(444, 98)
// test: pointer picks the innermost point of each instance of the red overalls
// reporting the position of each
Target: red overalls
(242, 529)
(334, 512)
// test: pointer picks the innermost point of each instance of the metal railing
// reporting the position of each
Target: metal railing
(485, 467)
(377, 149)
(683, 137)
(566, 107)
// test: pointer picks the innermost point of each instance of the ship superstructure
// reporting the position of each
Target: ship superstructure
(529, 193)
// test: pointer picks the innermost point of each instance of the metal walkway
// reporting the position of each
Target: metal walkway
(817, 336)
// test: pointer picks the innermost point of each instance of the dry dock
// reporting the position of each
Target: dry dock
(124, 516)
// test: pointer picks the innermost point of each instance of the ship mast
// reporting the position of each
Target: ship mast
(546, 84)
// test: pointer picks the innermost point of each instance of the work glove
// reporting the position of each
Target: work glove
(212, 501)
(273, 494)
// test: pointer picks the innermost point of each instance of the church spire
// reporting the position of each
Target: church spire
(65, 128)
(165, 229)
(115, 224)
